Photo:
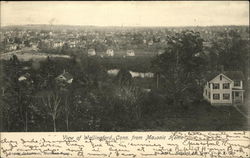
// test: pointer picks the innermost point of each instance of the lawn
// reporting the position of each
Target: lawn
(203, 117)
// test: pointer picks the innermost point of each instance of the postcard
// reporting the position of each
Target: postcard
(125, 79)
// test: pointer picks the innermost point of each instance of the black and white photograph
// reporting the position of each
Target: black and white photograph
(124, 66)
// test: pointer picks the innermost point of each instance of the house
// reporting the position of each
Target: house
(57, 44)
(34, 45)
(65, 77)
(130, 53)
(151, 42)
(110, 52)
(113, 72)
(161, 51)
(141, 74)
(11, 47)
(91, 52)
(224, 88)
(25, 77)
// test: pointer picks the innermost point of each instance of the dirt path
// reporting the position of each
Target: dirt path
(241, 112)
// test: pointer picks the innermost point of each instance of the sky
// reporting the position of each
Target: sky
(126, 13)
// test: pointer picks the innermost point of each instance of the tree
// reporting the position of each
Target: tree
(51, 102)
(65, 48)
(180, 66)
(66, 92)
(124, 78)
(232, 51)
(9, 103)
(26, 89)
(11, 96)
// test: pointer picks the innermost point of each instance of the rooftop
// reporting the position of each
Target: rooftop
(233, 75)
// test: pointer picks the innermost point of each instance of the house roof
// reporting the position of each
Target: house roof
(233, 75)
(67, 75)
(211, 75)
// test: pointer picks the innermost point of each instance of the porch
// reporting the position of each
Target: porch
(237, 96)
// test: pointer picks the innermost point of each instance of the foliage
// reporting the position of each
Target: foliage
(230, 50)
(180, 65)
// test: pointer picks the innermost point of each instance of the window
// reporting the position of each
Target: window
(237, 94)
(220, 77)
(237, 83)
(226, 85)
(209, 95)
(216, 86)
(216, 96)
(226, 96)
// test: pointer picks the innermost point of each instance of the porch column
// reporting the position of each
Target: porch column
(234, 96)
(242, 97)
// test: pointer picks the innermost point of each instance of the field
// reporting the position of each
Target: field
(30, 54)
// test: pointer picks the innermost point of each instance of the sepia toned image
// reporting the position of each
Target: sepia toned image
(124, 66)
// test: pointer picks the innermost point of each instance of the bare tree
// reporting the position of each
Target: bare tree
(130, 96)
(67, 112)
(52, 103)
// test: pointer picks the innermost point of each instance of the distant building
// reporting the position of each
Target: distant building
(161, 51)
(110, 52)
(113, 72)
(11, 47)
(91, 52)
(142, 74)
(130, 53)
(65, 77)
(225, 88)
(22, 78)
(25, 77)
(150, 43)
(207, 44)
(34, 45)
(58, 44)
(147, 90)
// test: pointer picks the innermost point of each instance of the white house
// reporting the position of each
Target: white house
(57, 44)
(141, 74)
(161, 51)
(225, 88)
(91, 52)
(130, 53)
(25, 77)
(110, 52)
(151, 42)
(12, 47)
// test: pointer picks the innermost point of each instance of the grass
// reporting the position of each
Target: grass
(202, 117)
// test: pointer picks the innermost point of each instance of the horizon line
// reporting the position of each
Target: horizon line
(122, 25)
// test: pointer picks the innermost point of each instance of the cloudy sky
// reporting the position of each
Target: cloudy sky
(171, 13)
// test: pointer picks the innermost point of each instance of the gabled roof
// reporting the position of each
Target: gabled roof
(211, 75)
(66, 75)
(233, 75)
